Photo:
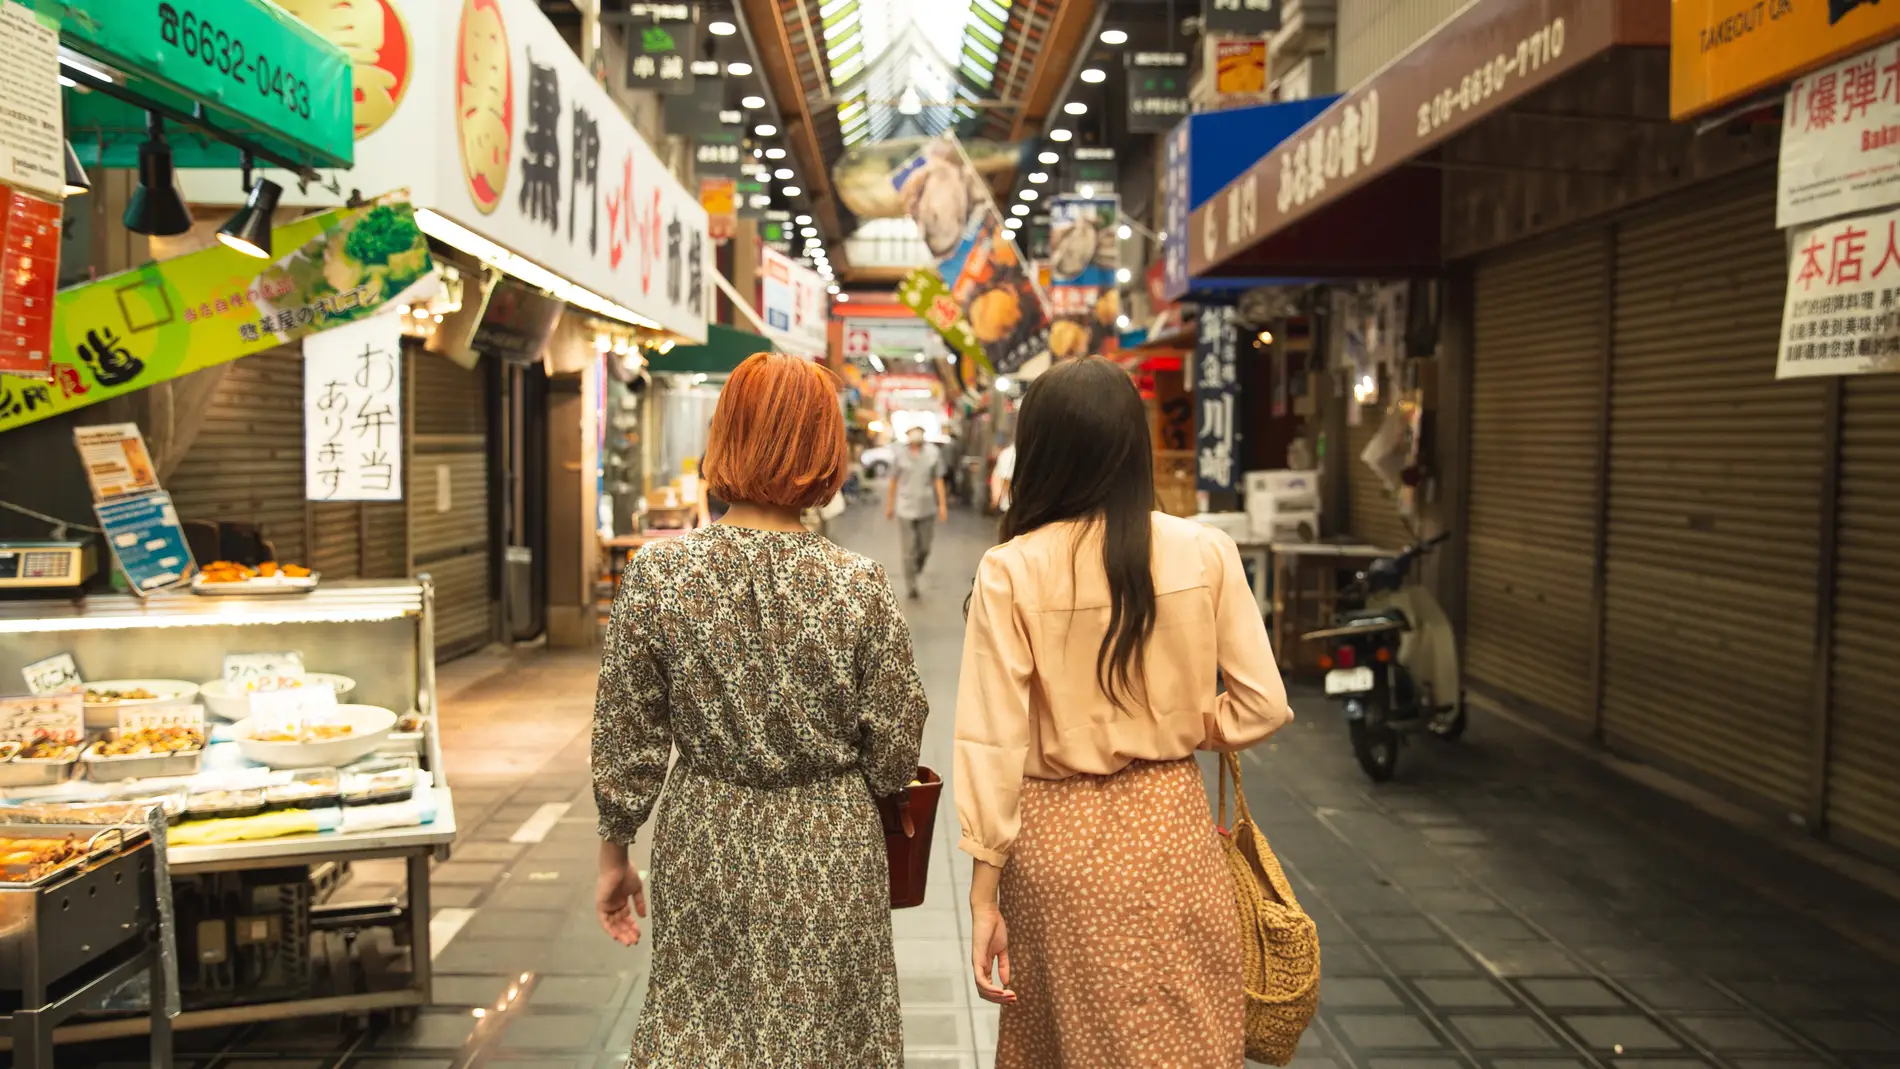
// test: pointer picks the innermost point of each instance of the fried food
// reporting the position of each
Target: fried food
(224, 571)
(23, 860)
(302, 733)
(995, 315)
(107, 697)
(150, 742)
(50, 748)
(1068, 339)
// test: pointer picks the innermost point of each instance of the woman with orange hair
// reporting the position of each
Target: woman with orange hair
(780, 667)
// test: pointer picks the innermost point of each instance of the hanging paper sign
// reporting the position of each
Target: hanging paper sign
(116, 460)
(1216, 380)
(146, 539)
(58, 717)
(1840, 139)
(1841, 315)
(32, 124)
(792, 301)
(165, 319)
(352, 402)
(29, 266)
(247, 667)
(57, 674)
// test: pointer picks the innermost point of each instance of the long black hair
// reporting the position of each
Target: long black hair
(1082, 453)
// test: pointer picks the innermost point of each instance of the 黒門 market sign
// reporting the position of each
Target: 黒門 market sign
(157, 322)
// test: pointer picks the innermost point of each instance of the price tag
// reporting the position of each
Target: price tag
(52, 716)
(244, 667)
(139, 718)
(294, 706)
(54, 675)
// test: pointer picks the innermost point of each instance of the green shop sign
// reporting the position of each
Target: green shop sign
(157, 322)
(923, 292)
(245, 71)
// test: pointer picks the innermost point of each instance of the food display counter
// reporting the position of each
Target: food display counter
(249, 880)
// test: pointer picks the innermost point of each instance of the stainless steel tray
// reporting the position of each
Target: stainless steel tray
(22, 772)
(96, 843)
(141, 766)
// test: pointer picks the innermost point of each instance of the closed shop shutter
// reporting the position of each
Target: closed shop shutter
(448, 501)
(1536, 399)
(1714, 510)
(336, 534)
(247, 462)
(1375, 513)
(1863, 799)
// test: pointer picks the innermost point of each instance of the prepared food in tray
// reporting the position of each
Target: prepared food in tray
(211, 805)
(113, 697)
(53, 747)
(302, 731)
(270, 577)
(379, 782)
(308, 788)
(149, 742)
(26, 860)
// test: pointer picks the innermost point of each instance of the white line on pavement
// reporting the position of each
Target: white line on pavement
(444, 925)
(536, 828)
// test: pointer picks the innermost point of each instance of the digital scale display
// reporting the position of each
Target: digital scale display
(43, 565)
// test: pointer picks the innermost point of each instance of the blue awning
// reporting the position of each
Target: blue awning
(1205, 152)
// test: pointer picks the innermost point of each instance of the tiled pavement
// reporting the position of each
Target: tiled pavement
(1508, 904)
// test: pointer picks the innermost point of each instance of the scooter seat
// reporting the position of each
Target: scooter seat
(1362, 617)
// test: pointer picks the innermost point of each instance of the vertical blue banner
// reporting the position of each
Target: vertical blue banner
(1216, 402)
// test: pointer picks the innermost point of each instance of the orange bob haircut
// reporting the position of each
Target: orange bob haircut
(777, 435)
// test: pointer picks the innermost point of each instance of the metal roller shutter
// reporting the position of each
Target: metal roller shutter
(247, 461)
(1536, 400)
(1714, 510)
(1375, 513)
(336, 533)
(448, 517)
(1863, 799)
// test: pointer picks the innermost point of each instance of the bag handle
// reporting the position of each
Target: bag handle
(903, 813)
(1230, 768)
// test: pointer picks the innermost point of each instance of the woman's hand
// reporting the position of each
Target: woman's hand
(619, 895)
(989, 942)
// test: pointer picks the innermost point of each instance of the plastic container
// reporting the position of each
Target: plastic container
(380, 782)
(220, 805)
(309, 788)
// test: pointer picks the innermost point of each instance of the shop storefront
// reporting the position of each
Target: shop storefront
(1659, 539)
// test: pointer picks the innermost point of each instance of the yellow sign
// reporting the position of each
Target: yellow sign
(1721, 51)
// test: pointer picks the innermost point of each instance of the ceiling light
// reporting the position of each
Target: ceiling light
(1037, 178)
(1059, 134)
(1085, 190)
(909, 103)
(1114, 37)
(1019, 209)
(756, 154)
(155, 207)
(754, 102)
(248, 231)
(791, 191)
(833, 290)
(738, 70)
(1093, 75)
(783, 174)
(1265, 337)
(1076, 107)
(77, 181)
(843, 297)
(765, 129)
(1121, 322)
(761, 200)
(1013, 224)
(1124, 231)
(802, 220)
(1122, 275)
(808, 232)
(775, 153)
(721, 28)
(1028, 194)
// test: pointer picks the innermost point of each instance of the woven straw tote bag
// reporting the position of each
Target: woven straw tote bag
(1282, 946)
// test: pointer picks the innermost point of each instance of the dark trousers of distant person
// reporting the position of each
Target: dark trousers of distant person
(915, 536)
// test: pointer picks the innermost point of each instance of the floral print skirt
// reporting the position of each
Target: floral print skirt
(771, 930)
(1124, 939)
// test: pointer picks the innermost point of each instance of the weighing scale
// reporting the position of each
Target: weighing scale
(45, 566)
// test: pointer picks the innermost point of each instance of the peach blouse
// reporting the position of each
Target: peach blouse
(1029, 703)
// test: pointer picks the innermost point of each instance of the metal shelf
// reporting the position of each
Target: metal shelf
(339, 601)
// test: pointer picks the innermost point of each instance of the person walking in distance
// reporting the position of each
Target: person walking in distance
(917, 502)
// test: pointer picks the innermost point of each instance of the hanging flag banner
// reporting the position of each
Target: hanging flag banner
(1840, 140)
(924, 293)
(1842, 312)
(352, 412)
(792, 301)
(1005, 308)
(1216, 381)
(947, 200)
(157, 322)
(1084, 255)
(720, 198)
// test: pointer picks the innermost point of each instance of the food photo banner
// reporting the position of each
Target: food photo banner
(157, 322)
(1084, 256)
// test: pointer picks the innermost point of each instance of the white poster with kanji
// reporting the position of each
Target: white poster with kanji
(1840, 140)
(1842, 315)
(352, 411)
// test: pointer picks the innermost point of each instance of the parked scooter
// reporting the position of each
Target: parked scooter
(1392, 662)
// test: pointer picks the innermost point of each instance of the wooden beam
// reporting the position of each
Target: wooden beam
(1068, 34)
(779, 63)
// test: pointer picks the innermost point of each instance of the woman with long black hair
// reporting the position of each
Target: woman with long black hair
(1099, 636)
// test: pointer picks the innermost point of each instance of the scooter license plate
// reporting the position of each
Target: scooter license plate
(1348, 681)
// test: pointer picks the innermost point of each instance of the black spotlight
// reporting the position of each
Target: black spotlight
(76, 180)
(156, 207)
(248, 231)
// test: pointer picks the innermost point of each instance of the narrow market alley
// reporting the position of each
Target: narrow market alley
(1509, 903)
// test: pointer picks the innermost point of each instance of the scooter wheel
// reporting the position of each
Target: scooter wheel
(1377, 749)
(1449, 725)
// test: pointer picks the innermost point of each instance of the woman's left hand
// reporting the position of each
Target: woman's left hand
(620, 896)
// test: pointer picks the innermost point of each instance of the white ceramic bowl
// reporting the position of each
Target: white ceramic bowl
(227, 701)
(372, 724)
(106, 714)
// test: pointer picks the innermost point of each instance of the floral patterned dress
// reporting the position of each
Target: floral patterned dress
(780, 666)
